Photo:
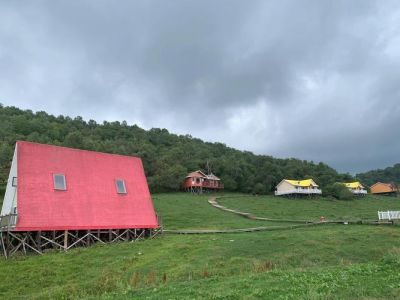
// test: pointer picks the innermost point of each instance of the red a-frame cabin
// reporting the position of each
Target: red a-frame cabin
(59, 197)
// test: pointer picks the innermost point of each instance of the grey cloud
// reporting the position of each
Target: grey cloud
(309, 79)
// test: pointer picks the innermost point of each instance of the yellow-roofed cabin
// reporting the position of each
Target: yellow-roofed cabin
(288, 187)
(356, 188)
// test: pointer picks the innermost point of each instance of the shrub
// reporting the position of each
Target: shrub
(259, 188)
(338, 191)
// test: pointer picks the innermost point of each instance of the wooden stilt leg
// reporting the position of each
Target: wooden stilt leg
(65, 240)
(39, 240)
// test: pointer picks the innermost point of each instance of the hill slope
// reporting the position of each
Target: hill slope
(167, 157)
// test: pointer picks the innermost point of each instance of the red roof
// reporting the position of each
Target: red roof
(90, 200)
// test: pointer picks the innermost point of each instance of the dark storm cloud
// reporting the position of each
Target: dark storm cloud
(310, 79)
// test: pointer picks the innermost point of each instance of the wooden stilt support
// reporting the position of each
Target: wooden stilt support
(3, 245)
(65, 240)
(88, 240)
(40, 241)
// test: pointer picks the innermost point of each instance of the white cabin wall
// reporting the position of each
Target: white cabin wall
(10, 197)
(284, 186)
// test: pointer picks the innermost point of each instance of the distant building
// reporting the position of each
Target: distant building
(381, 188)
(289, 187)
(198, 182)
(356, 188)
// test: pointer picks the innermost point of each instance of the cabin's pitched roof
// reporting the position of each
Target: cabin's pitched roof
(385, 184)
(391, 186)
(302, 183)
(212, 177)
(90, 200)
(353, 185)
(196, 174)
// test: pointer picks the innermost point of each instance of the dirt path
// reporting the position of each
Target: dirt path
(213, 202)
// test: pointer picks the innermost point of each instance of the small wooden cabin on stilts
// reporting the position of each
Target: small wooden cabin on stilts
(198, 182)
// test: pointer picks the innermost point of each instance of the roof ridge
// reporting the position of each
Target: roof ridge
(75, 149)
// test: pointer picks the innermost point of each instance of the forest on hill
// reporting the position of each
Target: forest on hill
(167, 157)
(388, 175)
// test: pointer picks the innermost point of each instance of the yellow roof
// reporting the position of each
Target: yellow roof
(353, 185)
(303, 183)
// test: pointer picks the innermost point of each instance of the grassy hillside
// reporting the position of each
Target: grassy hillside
(182, 211)
(312, 209)
(327, 261)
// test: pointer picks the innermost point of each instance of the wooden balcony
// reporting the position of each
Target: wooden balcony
(212, 185)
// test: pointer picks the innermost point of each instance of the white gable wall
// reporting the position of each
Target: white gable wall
(284, 186)
(10, 197)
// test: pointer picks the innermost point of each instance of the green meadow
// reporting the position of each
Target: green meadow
(318, 262)
(312, 208)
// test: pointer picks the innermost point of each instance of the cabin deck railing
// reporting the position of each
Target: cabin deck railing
(215, 185)
(358, 192)
(8, 222)
(299, 191)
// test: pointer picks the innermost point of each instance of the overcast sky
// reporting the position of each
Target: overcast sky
(316, 80)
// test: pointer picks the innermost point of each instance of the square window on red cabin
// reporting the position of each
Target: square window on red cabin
(120, 186)
(59, 182)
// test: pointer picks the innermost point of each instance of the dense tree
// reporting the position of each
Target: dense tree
(166, 157)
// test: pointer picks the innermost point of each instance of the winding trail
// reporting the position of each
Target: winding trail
(213, 202)
(239, 230)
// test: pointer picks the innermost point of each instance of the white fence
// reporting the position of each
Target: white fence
(389, 215)
(299, 191)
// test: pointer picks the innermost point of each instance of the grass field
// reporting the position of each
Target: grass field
(321, 262)
(312, 209)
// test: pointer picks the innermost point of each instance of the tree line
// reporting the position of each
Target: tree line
(167, 157)
(387, 175)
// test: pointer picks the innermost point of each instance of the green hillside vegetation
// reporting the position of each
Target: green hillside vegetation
(388, 175)
(167, 157)
(319, 262)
